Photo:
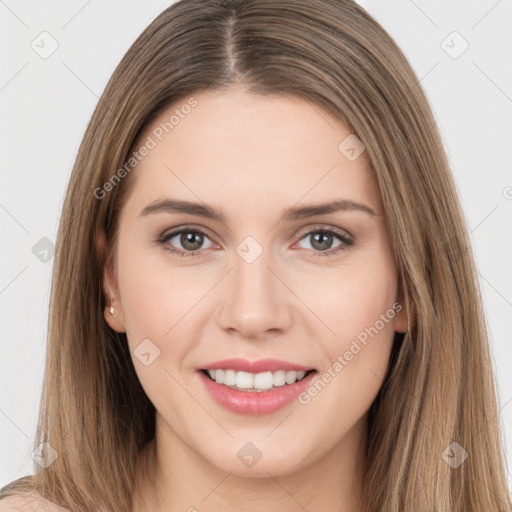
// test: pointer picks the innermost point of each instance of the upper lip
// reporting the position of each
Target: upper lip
(258, 366)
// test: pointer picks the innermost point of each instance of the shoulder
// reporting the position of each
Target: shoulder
(31, 502)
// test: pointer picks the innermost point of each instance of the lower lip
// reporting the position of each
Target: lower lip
(255, 403)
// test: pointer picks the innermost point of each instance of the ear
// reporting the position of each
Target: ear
(109, 285)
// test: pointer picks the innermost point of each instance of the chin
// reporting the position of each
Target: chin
(249, 461)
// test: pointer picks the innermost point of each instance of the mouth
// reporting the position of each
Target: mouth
(255, 387)
(255, 382)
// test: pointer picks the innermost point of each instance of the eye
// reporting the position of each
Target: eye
(190, 239)
(322, 240)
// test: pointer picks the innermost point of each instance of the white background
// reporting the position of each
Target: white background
(45, 105)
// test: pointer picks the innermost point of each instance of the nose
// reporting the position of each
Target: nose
(258, 301)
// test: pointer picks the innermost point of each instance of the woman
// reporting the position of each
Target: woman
(200, 357)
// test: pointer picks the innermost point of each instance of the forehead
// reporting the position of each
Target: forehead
(248, 150)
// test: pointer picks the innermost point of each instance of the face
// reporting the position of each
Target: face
(282, 296)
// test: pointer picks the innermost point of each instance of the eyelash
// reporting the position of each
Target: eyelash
(346, 242)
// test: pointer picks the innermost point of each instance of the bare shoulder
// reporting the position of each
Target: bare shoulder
(32, 502)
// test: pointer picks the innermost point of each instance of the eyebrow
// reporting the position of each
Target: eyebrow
(296, 213)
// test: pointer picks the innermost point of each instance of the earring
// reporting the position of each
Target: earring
(111, 310)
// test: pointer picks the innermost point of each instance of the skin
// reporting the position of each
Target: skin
(252, 157)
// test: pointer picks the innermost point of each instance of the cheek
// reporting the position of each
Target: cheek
(158, 305)
(159, 298)
(352, 299)
(359, 309)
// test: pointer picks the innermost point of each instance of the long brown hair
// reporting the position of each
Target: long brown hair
(439, 388)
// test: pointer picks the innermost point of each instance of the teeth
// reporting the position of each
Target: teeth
(244, 380)
(255, 381)
(229, 377)
(291, 377)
